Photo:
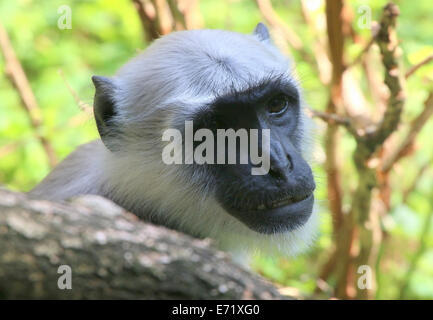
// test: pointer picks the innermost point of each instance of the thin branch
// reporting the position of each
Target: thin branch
(147, 14)
(160, 17)
(325, 272)
(319, 46)
(164, 15)
(414, 68)
(408, 191)
(374, 31)
(334, 119)
(417, 124)
(81, 104)
(362, 53)
(377, 88)
(330, 118)
(191, 10)
(275, 21)
(18, 78)
(334, 24)
(8, 148)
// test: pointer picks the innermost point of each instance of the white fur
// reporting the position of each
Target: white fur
(175, 75)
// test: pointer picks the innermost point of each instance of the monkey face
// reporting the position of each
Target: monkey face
(281, 199)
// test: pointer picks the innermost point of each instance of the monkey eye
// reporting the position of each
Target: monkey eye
(278, 104)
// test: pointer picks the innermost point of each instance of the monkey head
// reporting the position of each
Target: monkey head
(214, 80)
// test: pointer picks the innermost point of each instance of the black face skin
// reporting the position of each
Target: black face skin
(281, 200)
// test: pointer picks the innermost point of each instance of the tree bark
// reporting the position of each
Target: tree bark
(112, 255)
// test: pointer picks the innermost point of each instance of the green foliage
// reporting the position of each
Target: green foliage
(105, 34)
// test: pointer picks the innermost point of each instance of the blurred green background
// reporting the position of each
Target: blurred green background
(105, 34)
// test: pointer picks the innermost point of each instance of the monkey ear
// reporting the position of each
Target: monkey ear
(262, 32)
(104, 106)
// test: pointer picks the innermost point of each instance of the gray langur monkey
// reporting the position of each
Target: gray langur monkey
(218, 79)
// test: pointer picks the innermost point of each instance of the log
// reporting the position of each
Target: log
(111, 254)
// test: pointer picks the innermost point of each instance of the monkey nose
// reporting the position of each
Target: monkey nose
(280, 168)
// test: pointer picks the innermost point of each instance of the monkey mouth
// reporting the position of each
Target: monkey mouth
(275, 216)
(273, 204)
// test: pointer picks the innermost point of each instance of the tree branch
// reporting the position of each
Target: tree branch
(361, 213)
(18, 78)
(408, 191)
(388, 44)
(415, 127)
(414, 68)
(336, 43)
(112, 255)
(362, 53)
(81, 104)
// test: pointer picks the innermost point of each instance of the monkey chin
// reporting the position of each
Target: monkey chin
(279, 218)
